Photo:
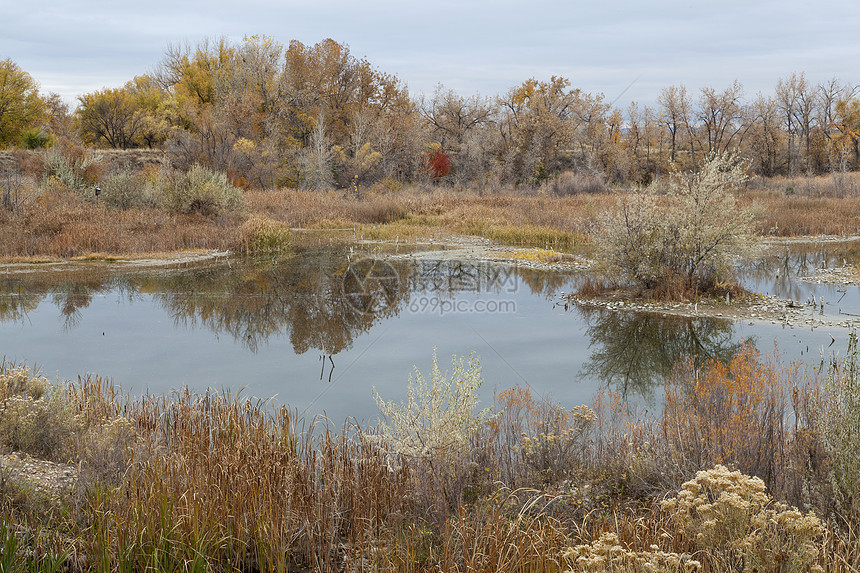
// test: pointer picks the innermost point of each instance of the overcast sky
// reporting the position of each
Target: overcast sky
(473, 46)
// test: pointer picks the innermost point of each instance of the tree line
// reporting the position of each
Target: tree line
(318, 117)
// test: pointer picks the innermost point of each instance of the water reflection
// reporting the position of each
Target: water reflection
(16, 301)
(304, 296)
(70, 292)
(323, 299)
(322, 304)
(635, 352)
(778, 269)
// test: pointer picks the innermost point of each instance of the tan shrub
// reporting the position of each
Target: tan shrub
(735, 523)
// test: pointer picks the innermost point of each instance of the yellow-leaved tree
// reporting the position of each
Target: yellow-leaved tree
(21, 106)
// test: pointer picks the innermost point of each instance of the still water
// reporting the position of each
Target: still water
(320, 328)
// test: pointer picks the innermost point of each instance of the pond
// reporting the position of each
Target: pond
(319, 329)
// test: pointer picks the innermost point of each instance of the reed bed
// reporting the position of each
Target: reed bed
(58, 223)
(215, 482)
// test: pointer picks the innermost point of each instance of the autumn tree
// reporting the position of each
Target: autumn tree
(676, 116)
(541, 122)
(59, 119)
(828, 96)
(847, 140)
(643, 137)
(324, 79)
(722, 119)
(21, 106)
(795, 100)
(368, 115)
(459, 125)
(152, 102)
(109, 116)
(219, 94)
(765, 138)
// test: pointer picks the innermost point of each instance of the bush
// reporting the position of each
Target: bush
(35, 419)
(570, 183)
(730, 411)
(124, 189)
(74, 166)
(691, 234)
(732, 520)
(35, 139)
(550, 440)
(200, 190)
(438, 420)
(263, 235)
(838, 422)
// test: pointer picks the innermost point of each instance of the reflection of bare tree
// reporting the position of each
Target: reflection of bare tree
(16, 300)
(70, 297)
(302, 295)
(636, 351)
(544, 283)
(782, 267)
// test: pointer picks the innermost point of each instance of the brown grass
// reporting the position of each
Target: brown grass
(55, 222)
(217, 483)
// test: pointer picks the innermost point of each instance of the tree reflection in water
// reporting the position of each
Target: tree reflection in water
(302, 295)
(634, 352)
(781, 267)
(69, 291)
(320, 297)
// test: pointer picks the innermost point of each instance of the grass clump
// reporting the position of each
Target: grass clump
(525, 235)
(839, 425)
(263, 235)
(199, 190)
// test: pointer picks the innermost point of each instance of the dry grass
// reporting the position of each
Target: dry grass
(65, 225)
(798, 216)
(216, 483)
(62, 224)
(56, 222)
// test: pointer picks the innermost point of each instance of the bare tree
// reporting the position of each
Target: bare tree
(455, 122)
(721, 114)
(676, 116)
(795, 101)
(765, 136)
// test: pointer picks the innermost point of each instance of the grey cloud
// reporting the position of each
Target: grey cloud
(77, 46)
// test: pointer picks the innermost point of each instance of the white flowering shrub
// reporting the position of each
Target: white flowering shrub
(438, 419)
(690, 235)
(17, 380)
(731, 518)
(45, 421)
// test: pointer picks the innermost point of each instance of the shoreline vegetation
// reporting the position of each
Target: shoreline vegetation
(53, 221)
(255, 148)
(215, 482)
